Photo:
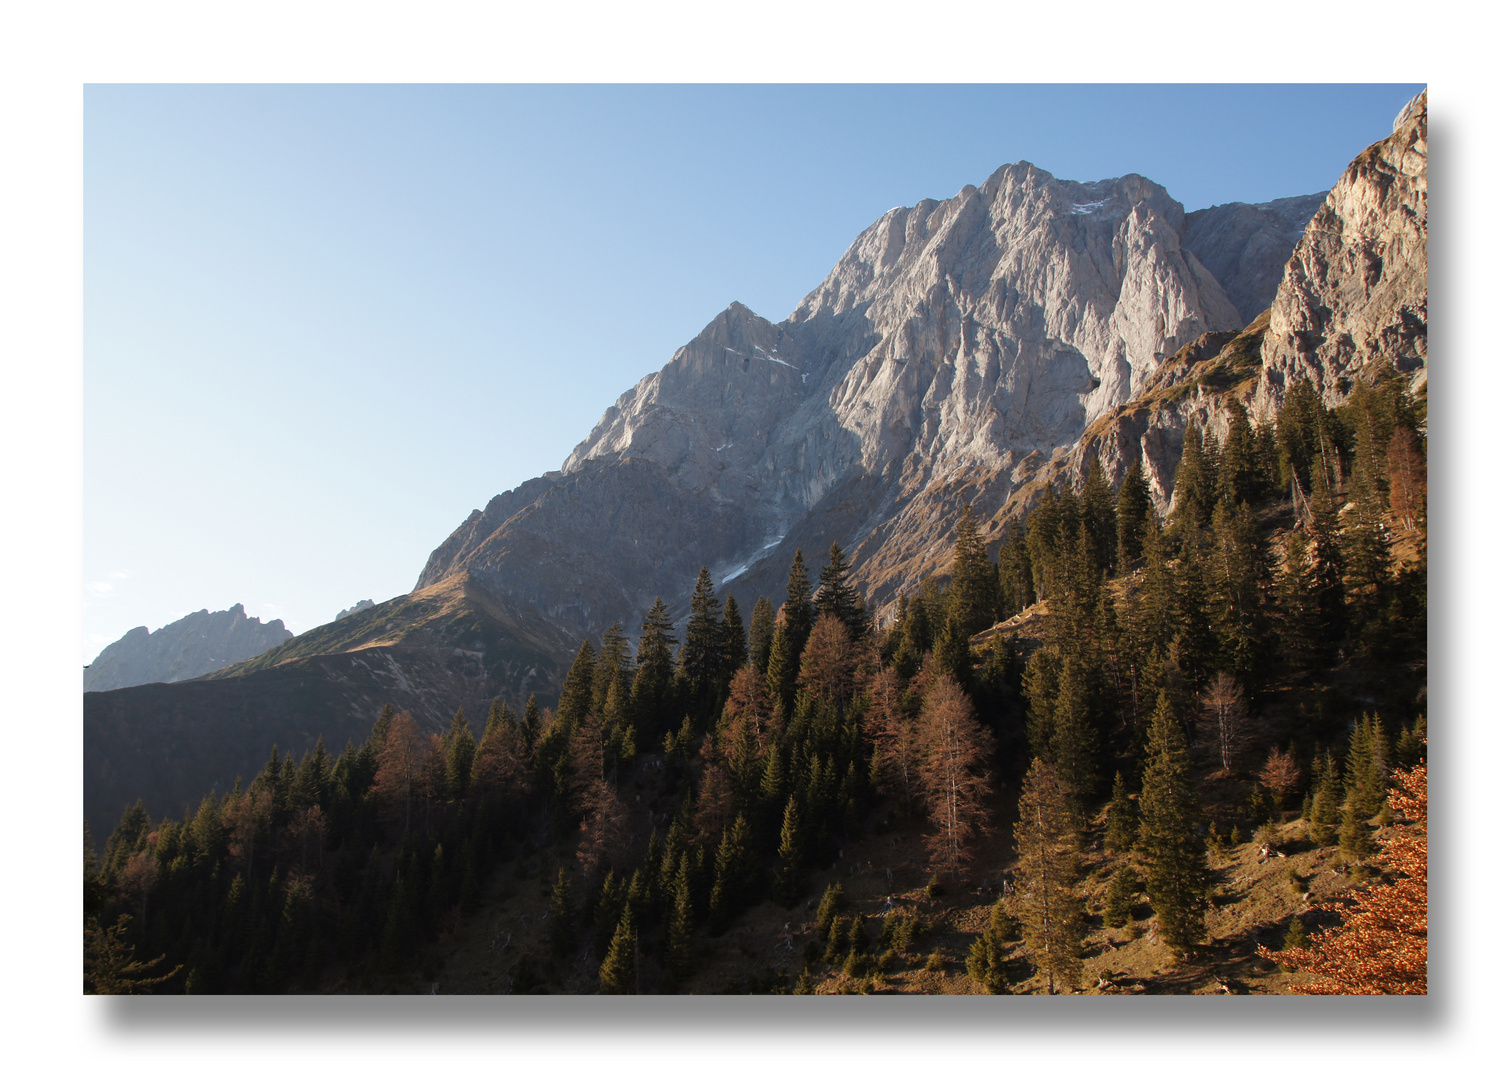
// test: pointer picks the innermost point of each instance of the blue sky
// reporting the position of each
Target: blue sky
(322, 323)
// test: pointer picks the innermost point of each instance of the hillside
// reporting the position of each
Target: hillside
(450, 646)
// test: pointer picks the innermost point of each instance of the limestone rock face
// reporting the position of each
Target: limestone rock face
(1246, 245)
(360, 605)
(953, 342)
(194, 645)
(1354, 292)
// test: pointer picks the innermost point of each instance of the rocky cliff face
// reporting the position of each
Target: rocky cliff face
(1352, 295)
(955, 345)
(194, 645)
(970, 349)
(1247, 245)
(1354, 292)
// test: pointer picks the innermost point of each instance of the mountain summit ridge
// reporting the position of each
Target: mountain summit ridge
(954, 340)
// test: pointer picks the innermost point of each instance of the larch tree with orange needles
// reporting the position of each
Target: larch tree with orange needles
(954, 774)
(1380, 948)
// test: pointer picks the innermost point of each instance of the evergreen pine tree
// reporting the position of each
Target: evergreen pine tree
(986, 961)
(650, 693)
(1048, 868)
(1134, 509)
(762, 629)
(951, 652)
(1099, 510)
(1119, 897)
(786, 889)
(576, 691)
(701, 657)
(1194, 492)
(1324, 577)
(798, 613)
(734, 876)
(461, 749)
(614, 665)
(733, 642)
(1326, 802)
(1173, 855)
(836, 596)
(529, 725)
(1121, 819)
(620, 967)
(1239, 479)
(1074, 745)
(679, 924)
(1015, 570)
(1354, 839)
(975, 591)
(782, 670)
(1366, 766)
(1237, 573)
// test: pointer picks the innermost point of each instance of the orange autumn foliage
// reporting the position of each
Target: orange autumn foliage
(1380, 948)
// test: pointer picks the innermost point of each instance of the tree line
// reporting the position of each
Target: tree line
(770, 745)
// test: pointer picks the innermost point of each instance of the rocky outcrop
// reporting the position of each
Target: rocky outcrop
(1354, 292)
(954, 345)
(194, 645)
(360, 605)
(1246, 246)
(452, 645)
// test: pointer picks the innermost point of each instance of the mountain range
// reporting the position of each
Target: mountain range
(975, 349)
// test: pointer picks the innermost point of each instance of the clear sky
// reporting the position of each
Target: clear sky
(323, 323)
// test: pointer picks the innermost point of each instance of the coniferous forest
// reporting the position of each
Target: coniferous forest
(1109, 751)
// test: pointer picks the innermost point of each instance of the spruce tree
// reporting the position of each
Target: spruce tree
(620, 967)
(614, 664)
(562, 931)
(1044, 540)
(1047, 842)
(829, 907)
(679, 923)
(798, 613)
(576, 691)
(1121, 819)
(1325, 575)
(1074, 745)
(762, 629)
(1354, 838)
(1015, 570)
(1099, 511)
(649, 696)
(733, 643)
(1169, 841)
(836, 596)
(1237, 573)
(1134, 509)
(1367, 766)
(529, 725)
(735, 876)
(1239, 478)
(782, 670)
(461, 749)
(1194, 485)
(786, 889)
(701, 657)
(986, 961)
(1119, 897)
(1326, 801)
(975, 591)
